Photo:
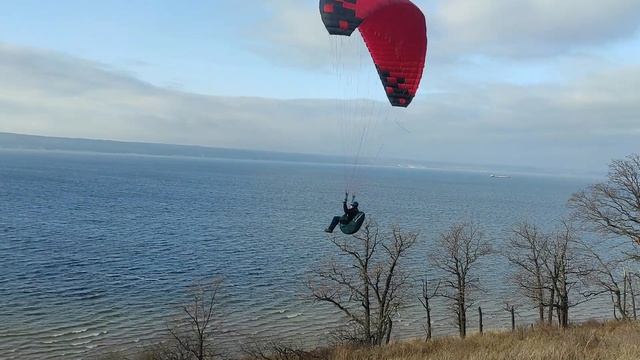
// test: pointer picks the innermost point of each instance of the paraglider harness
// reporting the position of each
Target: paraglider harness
(353, 218)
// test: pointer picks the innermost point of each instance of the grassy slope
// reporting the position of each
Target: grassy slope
(620, 341)
(591, 341)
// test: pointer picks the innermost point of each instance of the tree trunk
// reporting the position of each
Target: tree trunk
(633, 299)
(564, 313)
(619, 305)
(552, 297)
(625, 314)
(541, 312)
(462, 319)
(429, 334)
(367, 318)
(513, 319)
(462, 311)
(540, 293)
(389, 328)
(381, 329)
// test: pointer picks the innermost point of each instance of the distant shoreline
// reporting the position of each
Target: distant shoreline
(37, 143)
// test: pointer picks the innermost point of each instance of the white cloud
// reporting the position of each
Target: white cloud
(525, 28)
(580, 124)
(293, 33)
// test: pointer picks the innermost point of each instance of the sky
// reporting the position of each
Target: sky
(536, 83)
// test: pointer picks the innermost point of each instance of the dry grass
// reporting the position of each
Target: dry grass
(592, 341)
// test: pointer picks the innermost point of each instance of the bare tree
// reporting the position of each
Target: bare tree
(425, 300)
(565, 269)
(511, 309)
(608, 277)
(281, 350)
(613, 207)
(367, 286)
(457, 254)
(525, 249)
(194, 332)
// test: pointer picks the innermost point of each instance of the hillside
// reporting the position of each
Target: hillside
(592, 341)
(589, 341)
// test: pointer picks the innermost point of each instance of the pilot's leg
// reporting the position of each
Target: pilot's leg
(334, 223)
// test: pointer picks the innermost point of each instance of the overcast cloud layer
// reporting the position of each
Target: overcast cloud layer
(578, 125)
(518, 29)
(516, 82)
(522, 28)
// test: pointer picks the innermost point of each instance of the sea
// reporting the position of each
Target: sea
(98, 251)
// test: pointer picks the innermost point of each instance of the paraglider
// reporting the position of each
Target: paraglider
(352, 219)
(395, 34)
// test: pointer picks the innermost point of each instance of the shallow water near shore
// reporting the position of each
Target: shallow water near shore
(97, 251)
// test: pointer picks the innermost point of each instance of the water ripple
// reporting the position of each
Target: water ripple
(97, 251)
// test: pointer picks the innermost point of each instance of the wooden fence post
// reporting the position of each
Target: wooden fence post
(633, 298)
(480, 317)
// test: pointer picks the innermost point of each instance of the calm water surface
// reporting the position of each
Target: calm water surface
(96, 250)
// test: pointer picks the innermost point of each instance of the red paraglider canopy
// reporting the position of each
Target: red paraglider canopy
(395, 32)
